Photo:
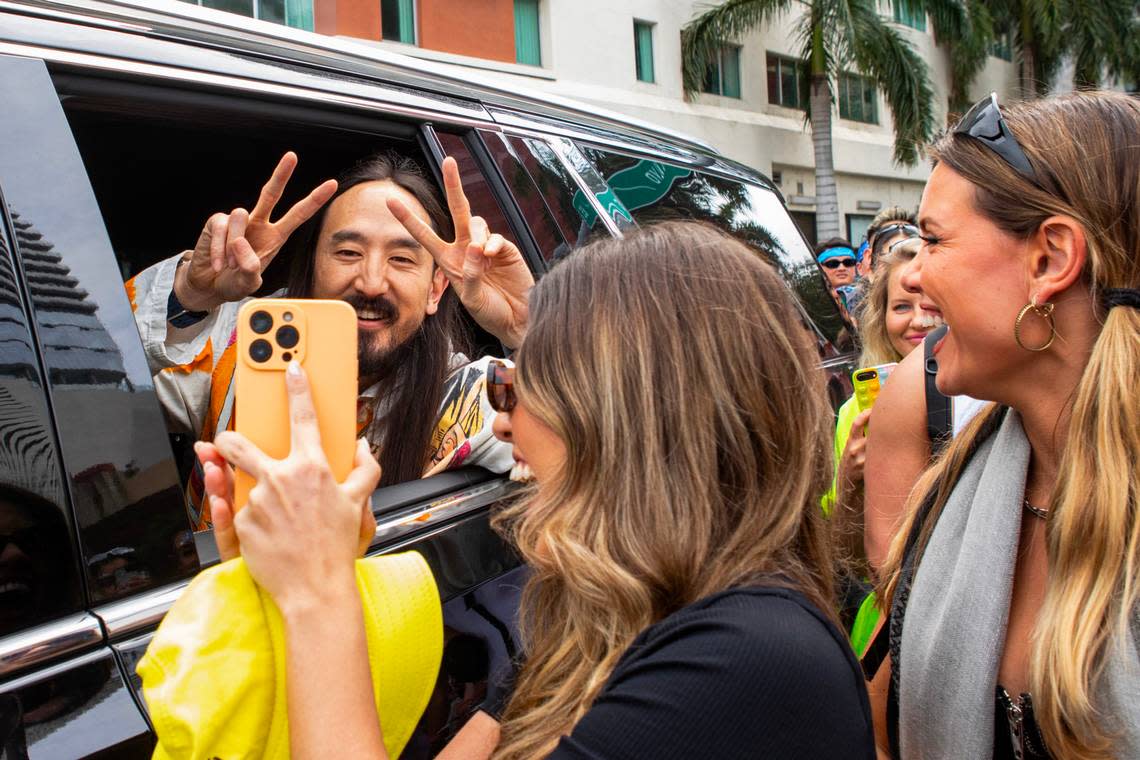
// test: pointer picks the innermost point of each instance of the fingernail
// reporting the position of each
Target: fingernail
(294, 368)
(208, 466)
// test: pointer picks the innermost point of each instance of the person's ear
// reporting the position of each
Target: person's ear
(439, 285)
(1057, 257)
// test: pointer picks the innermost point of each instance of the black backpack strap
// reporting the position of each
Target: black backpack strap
(939, 413)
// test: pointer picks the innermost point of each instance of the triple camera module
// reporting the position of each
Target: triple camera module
(287, 336)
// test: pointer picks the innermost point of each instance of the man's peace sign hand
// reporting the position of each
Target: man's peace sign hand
(235, 248)
(486, 270)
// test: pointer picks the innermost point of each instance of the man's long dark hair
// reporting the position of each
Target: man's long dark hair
(412, 381)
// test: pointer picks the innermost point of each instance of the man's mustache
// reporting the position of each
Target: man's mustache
(379, 305)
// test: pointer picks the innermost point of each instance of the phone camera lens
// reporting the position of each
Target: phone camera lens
(287, 336)
(260, 350)
(261, 322)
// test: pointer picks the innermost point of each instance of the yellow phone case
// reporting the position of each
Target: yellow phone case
(325, 333)
(867, 386)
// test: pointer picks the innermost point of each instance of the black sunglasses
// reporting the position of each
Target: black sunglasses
(501, 386)
(836, 263)
(985, 124)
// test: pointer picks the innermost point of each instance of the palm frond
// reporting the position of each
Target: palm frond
(968, 53)
(702, 37)
(896, 68)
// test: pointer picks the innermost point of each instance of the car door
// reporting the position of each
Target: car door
(61, 687)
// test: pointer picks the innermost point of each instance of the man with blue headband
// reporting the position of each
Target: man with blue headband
(837, 259)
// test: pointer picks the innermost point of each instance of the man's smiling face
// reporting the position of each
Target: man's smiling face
(365, 256)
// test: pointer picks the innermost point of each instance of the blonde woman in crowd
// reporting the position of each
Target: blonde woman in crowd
(892, 325)
(681, 599)
(1014, 576)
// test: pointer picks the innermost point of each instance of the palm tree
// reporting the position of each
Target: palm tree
(1102, 38)
(832, 35)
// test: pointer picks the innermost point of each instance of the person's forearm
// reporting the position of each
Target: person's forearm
(328, 680)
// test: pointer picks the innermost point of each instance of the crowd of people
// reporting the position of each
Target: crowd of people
(689, 594)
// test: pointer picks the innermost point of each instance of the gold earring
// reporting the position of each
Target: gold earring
(1045, 311)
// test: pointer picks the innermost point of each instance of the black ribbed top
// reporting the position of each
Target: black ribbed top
(750, 672)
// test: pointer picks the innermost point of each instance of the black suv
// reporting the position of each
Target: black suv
(122, 129)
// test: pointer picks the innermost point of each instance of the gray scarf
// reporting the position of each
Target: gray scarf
(955, 623)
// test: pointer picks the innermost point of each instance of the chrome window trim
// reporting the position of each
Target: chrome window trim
(392, 107)
(671, 143)
(50, 641)
(140, 612)
(143, 612)
(417, 518)
(560, 146)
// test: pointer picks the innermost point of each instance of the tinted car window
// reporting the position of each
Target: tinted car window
(653, 191)
(39, 579)
(121, 474)
(547, 236)
(565, 199)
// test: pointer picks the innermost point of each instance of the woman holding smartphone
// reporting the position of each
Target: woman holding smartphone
(681, 596)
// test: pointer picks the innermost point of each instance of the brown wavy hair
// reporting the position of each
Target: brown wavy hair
(675, 367)
(1085, 151)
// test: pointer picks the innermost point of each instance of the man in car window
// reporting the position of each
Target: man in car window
(378, 243)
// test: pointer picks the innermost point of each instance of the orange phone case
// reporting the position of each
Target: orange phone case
(326, 349)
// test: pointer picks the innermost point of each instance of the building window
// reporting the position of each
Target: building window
(528, 49)
(1002, 47)
(787, 82)
(858, 99)
(722, 76)
(398, 20)
(915, 19)
(643, 50)
(857, 225)
(294, 13)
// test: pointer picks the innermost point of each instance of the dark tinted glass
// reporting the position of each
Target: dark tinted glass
(574, 215)
(531, 203)
(122, 478)
(475, 186)
(39, 577)
(655, 191)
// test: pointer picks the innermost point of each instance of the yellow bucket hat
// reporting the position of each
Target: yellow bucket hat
(214, 674)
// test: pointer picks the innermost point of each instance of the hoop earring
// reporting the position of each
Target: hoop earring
(1045, 311)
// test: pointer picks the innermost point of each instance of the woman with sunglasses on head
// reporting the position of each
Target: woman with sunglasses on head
(1015, 575)
(681, 594)
(887, 228)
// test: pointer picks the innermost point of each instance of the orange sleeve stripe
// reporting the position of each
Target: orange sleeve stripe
(130, 286)
(219, 386)
(203, 362)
